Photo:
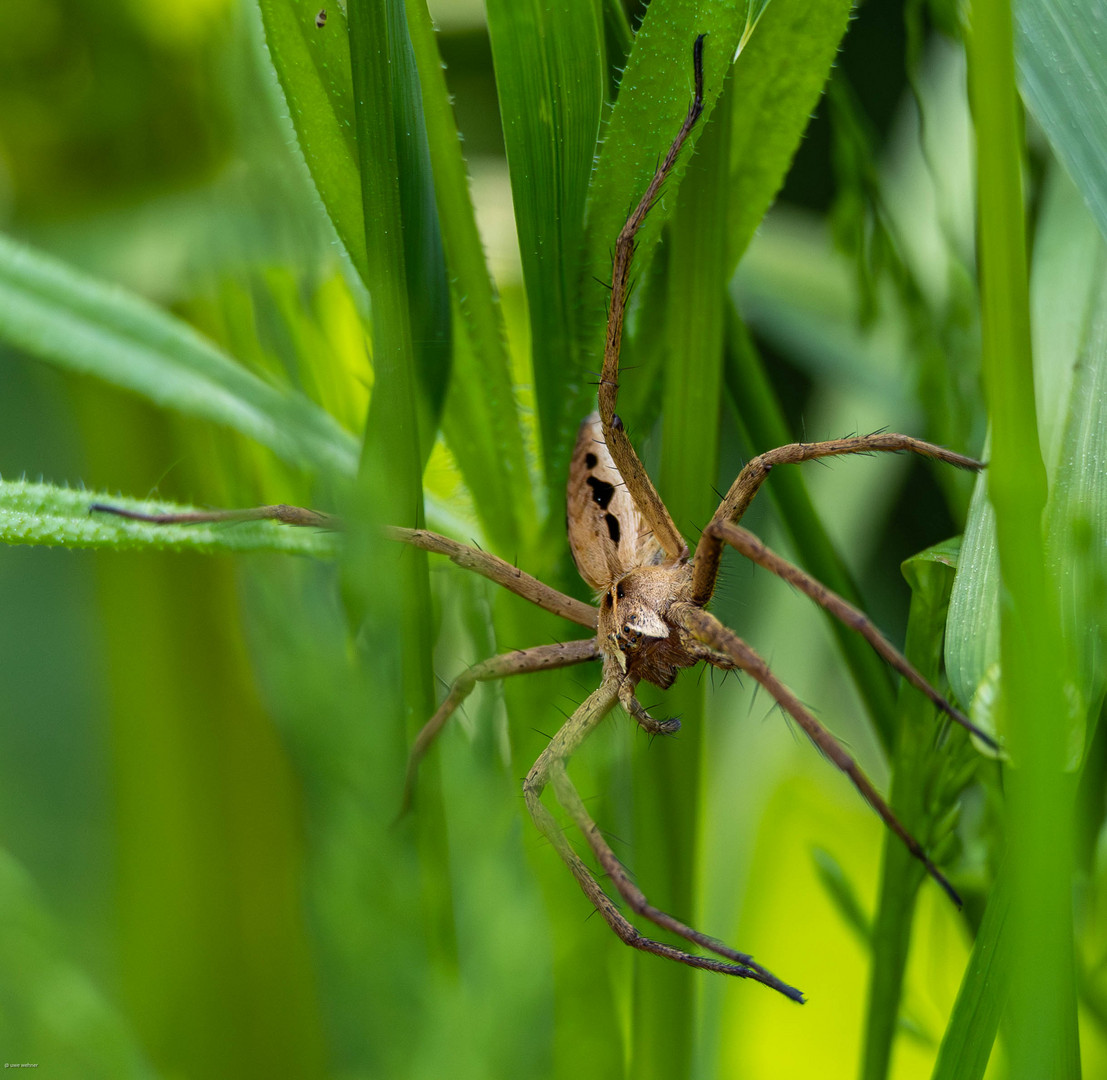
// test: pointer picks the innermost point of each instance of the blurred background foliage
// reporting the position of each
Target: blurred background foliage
(202, 873)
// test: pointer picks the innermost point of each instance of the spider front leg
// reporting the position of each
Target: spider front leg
(745, 487)
(550, 769)
(634, 475)
(704, 626)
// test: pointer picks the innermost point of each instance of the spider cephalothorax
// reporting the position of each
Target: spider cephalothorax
(650, 620)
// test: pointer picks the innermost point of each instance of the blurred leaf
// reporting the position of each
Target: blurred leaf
(398, 636)
(43, 514)
(549, 79)
(843, 894)
(52, 1011)
(1062, 55)
(79, 324)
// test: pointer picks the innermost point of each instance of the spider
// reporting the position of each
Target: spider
(651, 619)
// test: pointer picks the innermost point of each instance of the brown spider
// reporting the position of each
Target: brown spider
(651, 620)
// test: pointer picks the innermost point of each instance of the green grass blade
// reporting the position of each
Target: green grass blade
(1062, 57)
(1068, 291)
(920, 797)
(79, 324)
(313, 67)
(481, 420)
(390, 480)
(549, 78)
(967, 1043)
(47, 515)
(1034, 715)
(778, 80)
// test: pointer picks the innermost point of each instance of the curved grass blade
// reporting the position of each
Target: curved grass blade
(79, 324)
(51, 516)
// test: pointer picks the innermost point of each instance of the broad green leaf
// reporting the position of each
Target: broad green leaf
(51, 516)
(1062, 56)
(313, 68)
(549, 78)
(80, 324)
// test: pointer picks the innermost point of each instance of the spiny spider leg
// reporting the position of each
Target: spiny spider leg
(550, 767)
(745, 487)
(501, 572)
(707, 628)
(286, 515)
(481, 562)
(643, 719)
(520, 662)
(641, 488)
(743, 541)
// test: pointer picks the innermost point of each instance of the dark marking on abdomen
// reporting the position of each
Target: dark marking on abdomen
(590, 460)
(602, 491)
(612, 527)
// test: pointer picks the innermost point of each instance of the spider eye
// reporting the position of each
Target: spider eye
(606, 600)
(620, 592)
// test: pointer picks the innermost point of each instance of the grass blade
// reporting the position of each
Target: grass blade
(926, 782)
(481, 420)
(1062, 56)
(778, 80)
(967, 1043)
(549, 78)
(313, 68)
(46, 515)
(1034, 716)
(82, 325)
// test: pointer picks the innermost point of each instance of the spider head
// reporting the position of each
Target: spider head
(633, 621)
